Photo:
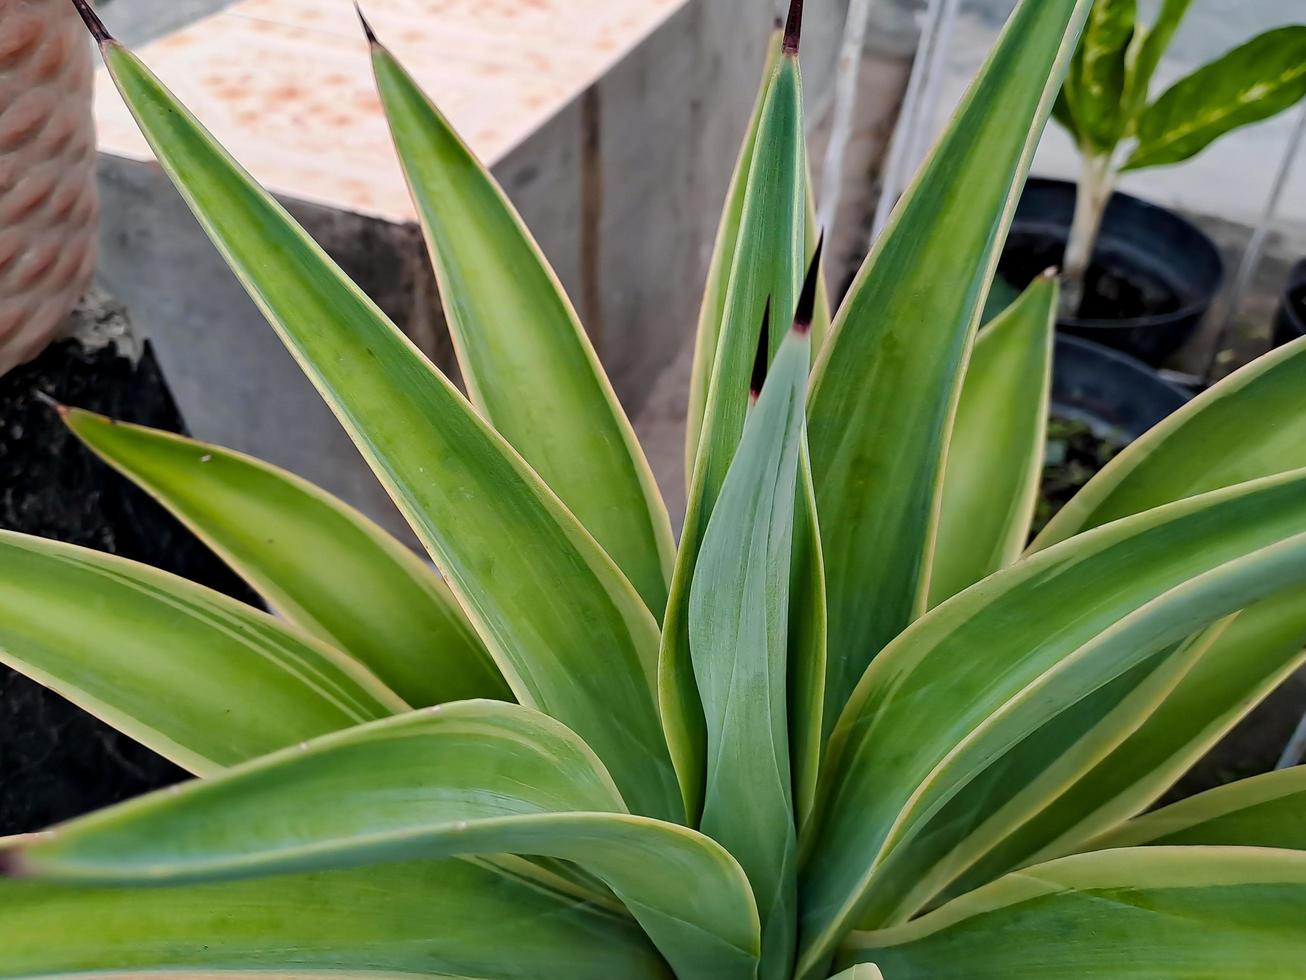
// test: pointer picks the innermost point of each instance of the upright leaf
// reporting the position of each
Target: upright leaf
(567, 630)
(527, 362)
(318, 562)
(417, 919)
(1175, 912)
(766, 271)
(470, 778)
(990, 667)
(1145, 53)
(739, 638)
(886, 385)
(199, 678)
(1095, 85)
(1252, 82)
(995, 454)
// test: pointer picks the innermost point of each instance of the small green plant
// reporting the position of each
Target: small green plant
(850, 723)
(1105, 105)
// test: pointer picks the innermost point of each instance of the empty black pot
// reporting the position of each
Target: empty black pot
(1290, 323)
(1154, 274)
(1118, 396)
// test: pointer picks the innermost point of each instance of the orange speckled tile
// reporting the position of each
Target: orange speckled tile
(287, 86)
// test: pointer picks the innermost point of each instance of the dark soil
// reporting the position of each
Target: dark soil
(1113, 289)
(1074, 455)
(56, 761)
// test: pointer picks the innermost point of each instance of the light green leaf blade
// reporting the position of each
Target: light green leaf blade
(1145, 53)
(318, 562)
(886, 384)
(419, 919)
(469, 778)
(202, 679)
(1265, 811)
(1261, 649)
(567, 630)
(1252, 82)
(1218, 439)
(766, 272)
(995, 454)
(1095, 85)
(862, 971)
(739, 638)
(989, 667)
(1177, 912)
(527, 363)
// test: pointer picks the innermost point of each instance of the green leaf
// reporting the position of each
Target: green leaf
(1265, 811)
(525, 358)
(567, 630)
(1252, 82)
(1243, 665)
(995, 455)
(887, 381)
(991, 666)
(318, 562)
(470, 778)
(1095, 85)
(1179, 913)
(419, 919)
(202, 679)
(739, 637)
(1145, 53)
(863, 971)
(766, 272)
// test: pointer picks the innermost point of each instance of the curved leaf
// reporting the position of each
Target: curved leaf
(569, 633)
(1179, 913)
(1095, 84)
(420, 919)
(1145, 52)
(886, 384)
(1252, 82)
(469, 778)
(995, 454)
(202, 679)
(318, 562)
(525, 358)
(992, 665)
(1265, 811)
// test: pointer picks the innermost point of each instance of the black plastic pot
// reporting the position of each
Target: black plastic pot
(1118, 396)
(1154, 274)
(1290, 322)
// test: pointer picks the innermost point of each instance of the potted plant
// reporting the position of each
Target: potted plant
(1137, 276)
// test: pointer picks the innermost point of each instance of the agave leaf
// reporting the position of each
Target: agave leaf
(739, 637)
(808, 636)
(1095, 84)
(1175, 912)
(766, 272)
(1265, 811)
(419, 919)
(318, 562)
(1146, 51)
(567, 630)
(1216, 440)
(886, 384)
(1008, 655)
(469, 778)
(995, 455)
(202, 679)
(1252, 82)
(1260, 650)
(527, 362)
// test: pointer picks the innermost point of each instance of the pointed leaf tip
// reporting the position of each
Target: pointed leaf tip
(50, 402)
(93, 22)
(793, 27)
(807, 299)
(367, 28)
(12, 864)
(763, 359)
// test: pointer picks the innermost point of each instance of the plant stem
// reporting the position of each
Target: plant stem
(1096, 185)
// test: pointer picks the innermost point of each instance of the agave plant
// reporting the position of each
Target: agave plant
(850, 723)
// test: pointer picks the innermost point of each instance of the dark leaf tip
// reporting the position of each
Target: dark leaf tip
(793, 27)
(763, 358)
(12, 864)
(807, 299)
(367, 28)
(93, 22)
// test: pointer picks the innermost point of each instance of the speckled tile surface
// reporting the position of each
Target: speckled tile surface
(286, 85)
